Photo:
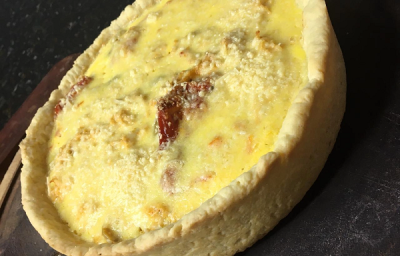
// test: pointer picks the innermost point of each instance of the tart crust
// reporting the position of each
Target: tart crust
(252, 204)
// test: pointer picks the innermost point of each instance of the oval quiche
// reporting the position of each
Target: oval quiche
(189, 127)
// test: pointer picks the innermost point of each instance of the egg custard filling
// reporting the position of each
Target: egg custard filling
(172, 109)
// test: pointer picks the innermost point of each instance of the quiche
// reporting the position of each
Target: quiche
(189, 127)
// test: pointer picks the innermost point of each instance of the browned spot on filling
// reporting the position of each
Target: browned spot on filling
(168, 179)
(123, 117)
(250, 144)
(159, 214)
(203, 68)
(158, 210)
(57, 133)
(131, 38)
(205, 177)
(54, 189)
(123, 143)
(57, 189)
(264, 43)
(216, 142)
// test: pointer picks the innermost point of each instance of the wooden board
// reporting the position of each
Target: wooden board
(17, 236)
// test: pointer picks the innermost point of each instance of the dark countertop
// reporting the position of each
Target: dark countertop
(354, 206)
(36, 34)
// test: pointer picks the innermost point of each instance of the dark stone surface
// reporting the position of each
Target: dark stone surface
(36, 34)
(354, 206)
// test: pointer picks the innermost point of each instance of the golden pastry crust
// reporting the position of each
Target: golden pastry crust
(253, 203)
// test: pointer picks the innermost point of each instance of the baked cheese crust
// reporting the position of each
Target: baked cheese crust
(185, 132)
(110, 177)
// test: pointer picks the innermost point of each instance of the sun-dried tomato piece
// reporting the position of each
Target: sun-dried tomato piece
(85, 80)
(194, 91)
(173, 106)
(73, 91)
(199, 86)
(58, 108)
(168, 123)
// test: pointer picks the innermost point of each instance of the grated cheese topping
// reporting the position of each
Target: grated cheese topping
(138, 143)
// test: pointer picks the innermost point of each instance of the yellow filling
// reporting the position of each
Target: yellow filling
(108, 178)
